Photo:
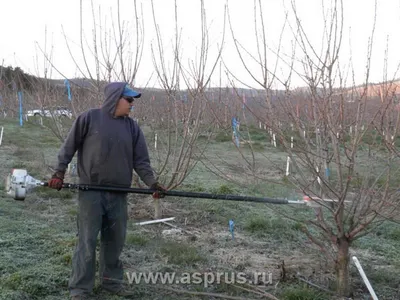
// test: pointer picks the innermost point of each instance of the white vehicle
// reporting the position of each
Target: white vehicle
(45, 112)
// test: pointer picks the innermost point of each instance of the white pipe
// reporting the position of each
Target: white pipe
(1, 135)
(364, 277)
(155, 221)
(273, 137)
(155, 142)
(288, 166)
(297, 202)
(291, 142)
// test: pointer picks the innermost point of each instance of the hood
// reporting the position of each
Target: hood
(112, 93)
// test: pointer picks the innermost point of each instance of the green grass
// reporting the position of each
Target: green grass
(276, 228)
(37, 236)
(46, 193)
(179, 253)
(136, 239)
(224, 189)
(394, 234)
(223, 137)
(193, 188)
(385, 247)
(35, 254)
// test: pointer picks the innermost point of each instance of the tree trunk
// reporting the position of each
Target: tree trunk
(342, 267)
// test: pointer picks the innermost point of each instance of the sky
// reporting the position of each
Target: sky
(44, 38)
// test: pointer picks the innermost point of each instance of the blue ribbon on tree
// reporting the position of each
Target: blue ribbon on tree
(235, 134)
(327, 172)
(232, 228)
(67, 85)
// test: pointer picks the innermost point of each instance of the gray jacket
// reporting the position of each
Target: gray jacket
(109, 148)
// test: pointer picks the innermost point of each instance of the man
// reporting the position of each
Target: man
(110, 146)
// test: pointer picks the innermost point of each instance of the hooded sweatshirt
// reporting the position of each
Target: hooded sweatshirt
(109, 148)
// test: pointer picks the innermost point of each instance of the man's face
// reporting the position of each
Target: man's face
(123, 107)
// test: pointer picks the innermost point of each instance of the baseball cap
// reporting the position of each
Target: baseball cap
(130, 93)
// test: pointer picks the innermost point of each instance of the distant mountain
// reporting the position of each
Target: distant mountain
(379, 89)
(16, 78)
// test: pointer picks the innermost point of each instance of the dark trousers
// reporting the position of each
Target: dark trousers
(103, 212)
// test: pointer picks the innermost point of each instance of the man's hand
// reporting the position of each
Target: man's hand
(160, 190)
(56, 181)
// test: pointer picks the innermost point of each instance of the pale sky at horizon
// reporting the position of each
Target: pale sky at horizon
(21, 29)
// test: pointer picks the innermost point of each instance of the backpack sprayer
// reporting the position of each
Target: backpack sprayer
(19, 183)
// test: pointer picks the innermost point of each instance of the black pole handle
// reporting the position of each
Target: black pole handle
(87, 187)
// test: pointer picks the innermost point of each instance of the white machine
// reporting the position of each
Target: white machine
(18, 183)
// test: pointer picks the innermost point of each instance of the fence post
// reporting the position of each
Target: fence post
(1, 135)
(364, 277)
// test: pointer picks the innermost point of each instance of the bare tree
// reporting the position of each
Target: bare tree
(180, 118)
(333, 126)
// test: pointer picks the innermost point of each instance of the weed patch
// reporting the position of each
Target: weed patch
(180, 253)
(223, 137)
(278, 228)
(136, 239)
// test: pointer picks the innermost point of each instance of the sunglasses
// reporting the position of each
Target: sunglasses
(129, 99)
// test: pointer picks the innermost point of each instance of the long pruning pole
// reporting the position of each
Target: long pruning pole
(86, 187)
